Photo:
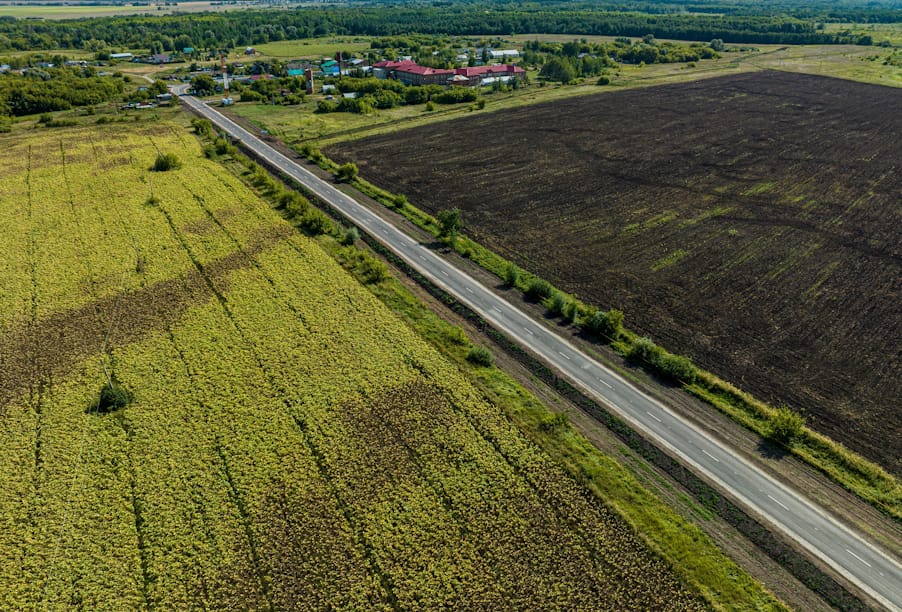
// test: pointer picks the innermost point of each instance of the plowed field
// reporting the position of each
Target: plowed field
(752, 222)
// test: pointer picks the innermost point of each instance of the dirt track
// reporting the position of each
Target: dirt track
(751, 221)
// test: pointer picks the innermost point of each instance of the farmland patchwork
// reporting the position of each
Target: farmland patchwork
(290, 443)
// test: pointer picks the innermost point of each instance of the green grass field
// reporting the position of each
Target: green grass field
(314, 48)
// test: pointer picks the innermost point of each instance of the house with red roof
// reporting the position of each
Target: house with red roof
(423, 75)
(410, 73)
(386, 68)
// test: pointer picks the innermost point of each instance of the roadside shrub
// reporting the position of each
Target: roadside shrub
(481, 356)
(372, 270)
(399, 201)
(112, 397)
(645, 351)
(785, 425)
(166, 162)
(554, 423)
(556, 303)
(603, 80)
(606, 324)
(350, 236)
(677, 367)
(293, 203)
(202, 127)
(224, 147)
(450, 222)
(314, 222)
(512, 275)
(570, 310)
(455, 95)
(455, 335)
(430, 106)
(539, 289)
(347, 172)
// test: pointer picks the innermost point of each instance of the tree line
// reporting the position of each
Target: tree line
(43, 90)
(247, 28)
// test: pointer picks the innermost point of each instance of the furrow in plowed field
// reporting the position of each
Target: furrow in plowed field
(752, 222)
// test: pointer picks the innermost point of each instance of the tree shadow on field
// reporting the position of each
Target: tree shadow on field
(440, 246)
(771, 450)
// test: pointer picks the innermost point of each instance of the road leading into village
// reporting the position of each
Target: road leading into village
(837, 545)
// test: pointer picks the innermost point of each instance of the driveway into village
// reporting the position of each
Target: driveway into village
(848, 552)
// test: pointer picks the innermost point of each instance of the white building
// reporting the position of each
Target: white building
(503, 53)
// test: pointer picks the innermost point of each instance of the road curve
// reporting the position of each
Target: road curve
(842, 548)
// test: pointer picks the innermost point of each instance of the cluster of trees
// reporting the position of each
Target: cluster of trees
(567, 61)
(229, 30)
(285, 90)
(375, 94)
(42, 90)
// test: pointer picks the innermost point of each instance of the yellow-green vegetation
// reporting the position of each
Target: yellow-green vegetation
(288, 441)
(314, 48)
(863, 478)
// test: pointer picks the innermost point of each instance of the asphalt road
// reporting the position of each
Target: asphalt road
(839, 546)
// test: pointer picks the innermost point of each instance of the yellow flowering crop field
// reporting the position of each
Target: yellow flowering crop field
(290, 443)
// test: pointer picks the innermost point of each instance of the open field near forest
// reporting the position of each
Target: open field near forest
(326, 46)
(749, 221)
(74, 11)
(291, 444)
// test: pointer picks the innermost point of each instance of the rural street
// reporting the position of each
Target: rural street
(846, 551)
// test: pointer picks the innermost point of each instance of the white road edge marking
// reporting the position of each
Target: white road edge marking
(857, 557)
(718, 461)
(653, 416)
(776, 501)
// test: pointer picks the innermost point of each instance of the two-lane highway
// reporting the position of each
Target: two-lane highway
(846, 551)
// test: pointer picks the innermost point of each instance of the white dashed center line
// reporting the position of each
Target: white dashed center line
(653, 416)
(718, 461)
(776, 501)
(857, 557)
(606, 384)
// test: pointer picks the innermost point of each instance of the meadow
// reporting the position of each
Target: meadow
(289, 442)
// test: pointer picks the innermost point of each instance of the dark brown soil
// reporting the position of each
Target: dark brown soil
(752, 222)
